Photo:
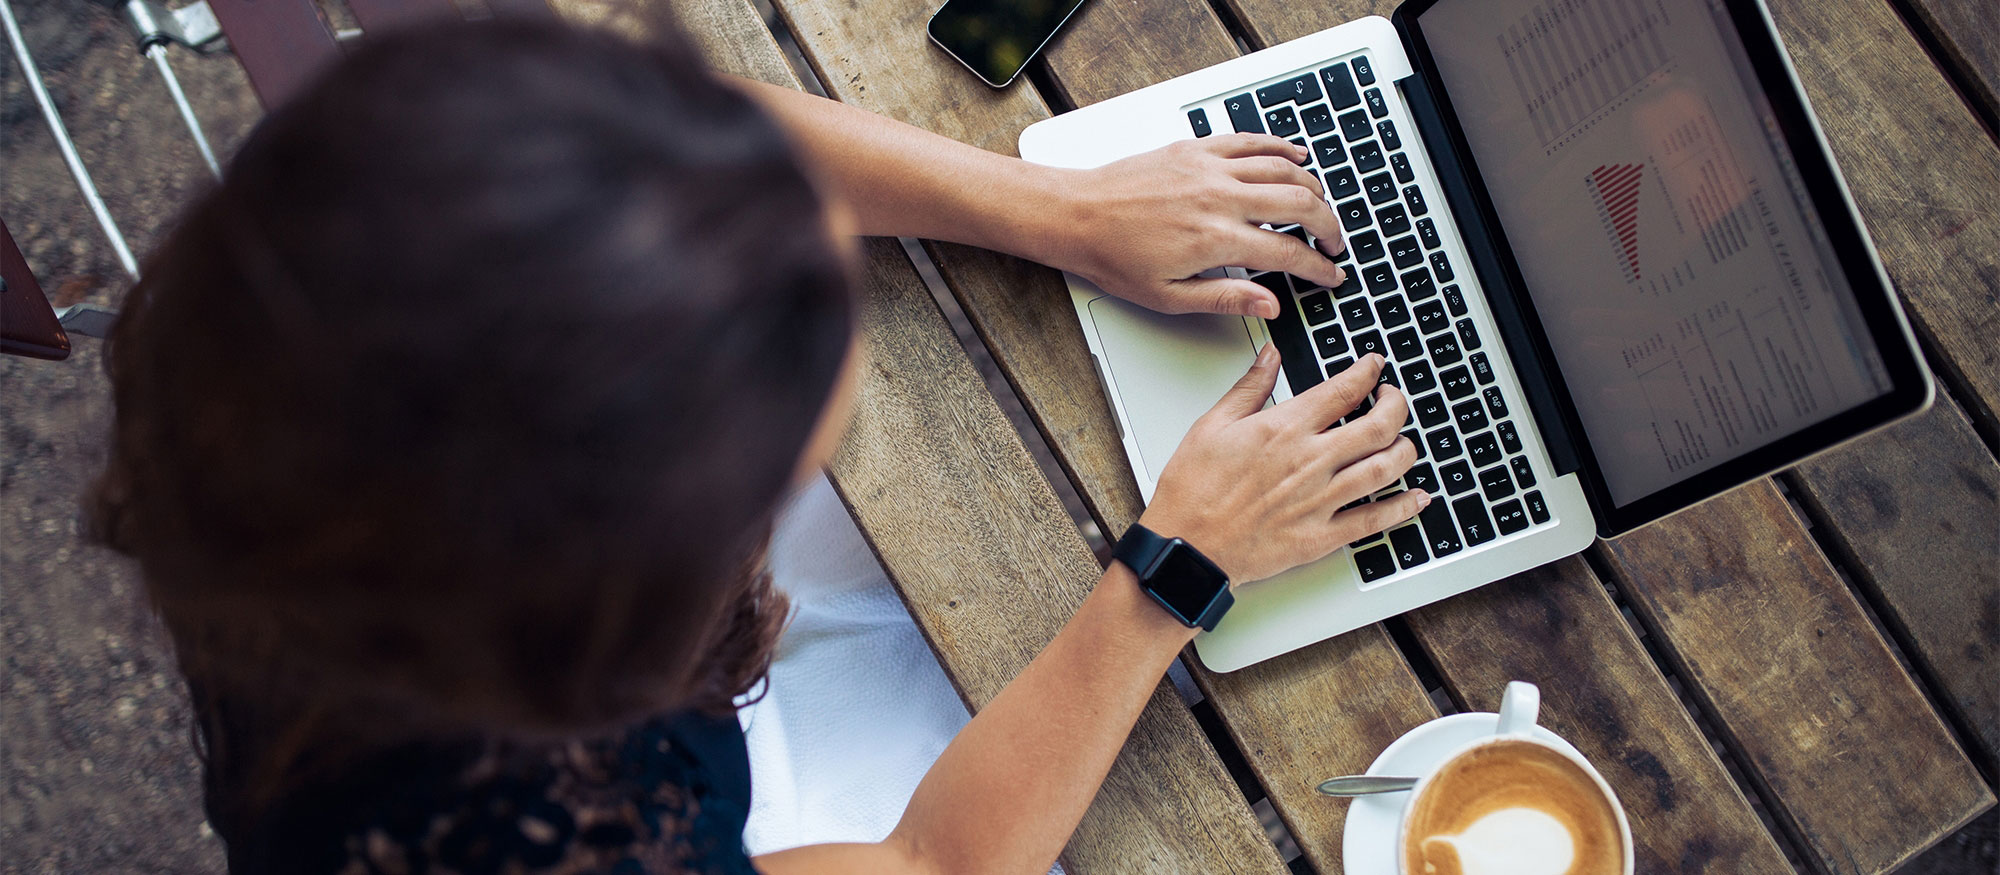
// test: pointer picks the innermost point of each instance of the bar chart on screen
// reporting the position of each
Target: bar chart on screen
(1574, 62)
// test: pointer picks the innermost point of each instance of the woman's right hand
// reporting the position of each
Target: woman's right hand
(1258, 490)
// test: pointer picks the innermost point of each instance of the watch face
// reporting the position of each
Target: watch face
(1186, 581)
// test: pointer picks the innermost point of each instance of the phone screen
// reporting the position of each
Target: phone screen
(997, 37)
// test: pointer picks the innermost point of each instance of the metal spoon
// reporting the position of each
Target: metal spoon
(1364, 785)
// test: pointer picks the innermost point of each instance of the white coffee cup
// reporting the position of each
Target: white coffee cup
(1519, 706)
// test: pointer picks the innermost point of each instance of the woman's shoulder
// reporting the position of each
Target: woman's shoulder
(667, 796)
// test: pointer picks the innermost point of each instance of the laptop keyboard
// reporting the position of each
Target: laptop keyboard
(1399, 300)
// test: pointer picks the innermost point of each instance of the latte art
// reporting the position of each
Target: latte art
(1513, 808)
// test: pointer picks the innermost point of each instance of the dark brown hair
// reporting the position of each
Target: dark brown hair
(465, 400)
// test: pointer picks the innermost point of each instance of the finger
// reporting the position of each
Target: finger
(1359, 522)
(1318, 407)
(1272, 170)
(1292, 205)
(1250, 392)
(1373, 473)
(1226, 296)
(1261, 249)
(1371, 432)
(1246, 145)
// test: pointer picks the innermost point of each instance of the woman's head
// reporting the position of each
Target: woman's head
(472, 388)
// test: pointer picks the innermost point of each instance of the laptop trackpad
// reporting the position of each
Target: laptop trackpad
(1168, 370)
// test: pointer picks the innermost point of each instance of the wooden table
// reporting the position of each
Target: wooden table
(1799, 674)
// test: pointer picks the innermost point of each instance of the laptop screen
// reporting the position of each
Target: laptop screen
(1688, 289)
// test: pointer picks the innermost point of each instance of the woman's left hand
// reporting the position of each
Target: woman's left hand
(1143, 227)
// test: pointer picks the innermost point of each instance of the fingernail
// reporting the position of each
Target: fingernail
(1266, 355)
(1423, 499)
(1339, 277)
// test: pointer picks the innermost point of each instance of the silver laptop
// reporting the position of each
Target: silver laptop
(1602, 242)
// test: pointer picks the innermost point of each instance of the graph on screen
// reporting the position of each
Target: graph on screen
(1575, 61)
(1616, 190)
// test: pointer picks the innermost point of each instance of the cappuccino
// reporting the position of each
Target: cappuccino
(1513, 808)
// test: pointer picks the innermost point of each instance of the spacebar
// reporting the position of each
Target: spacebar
(1288, 332)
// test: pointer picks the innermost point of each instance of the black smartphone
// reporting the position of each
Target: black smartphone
(995, 38)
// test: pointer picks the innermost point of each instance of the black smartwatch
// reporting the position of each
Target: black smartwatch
(1176, 575)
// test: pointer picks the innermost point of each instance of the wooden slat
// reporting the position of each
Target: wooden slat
(1555, 626)
(1968, 34)
(1803, 689)
(281, 43)
(1915, 512)
(974, 538)
(381, 16)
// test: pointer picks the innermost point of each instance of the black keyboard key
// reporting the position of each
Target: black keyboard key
(1282, 121)
(1417, 377)
(1381, 278)
(1366, 246)
(1444, 351)
(1364, 72)
(1353, 284)
(1495, 483)
(1368, 159)
(1327, 150)
(1392, 220)
(1312, 172)
(1339, 86)
(1457, 381)
(1354, 126)
(1481, 368)
(1420, 475)
(1416, 440)
(1508, 517)
(1379, 187)
(1427, 231)
(1483, 449)
(1393, 311)
(1415, 198)
(1469, 416)
(1405, 252)
(1369, 341)
(1417, 284)
(1408, 542)
(1510, 440)
(1537, 510)
(1301, 89)
(1386, 129)
(1357, 314)
(1471, 513)
(1288, 333)
(1495, 402)
(1454, 300)
(1377, 107)
(1441, 265)
(1330, 341)
(1456, 478)
(1301, 235)
(1444, 444)
(1354, 214)
(1375, 562)
(1317, 119)
(1438, 530)
(1524, 473)
(1198, 119)
(1431, 318)
(1403, 344)
(1387, 375)
(1430, 410)
(1243, 114)
(1341, 183)
(1468, 336)
(1339, 365)
(1318, 308)
(1400, 163)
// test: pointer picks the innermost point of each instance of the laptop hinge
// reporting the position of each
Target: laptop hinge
(1503, 294)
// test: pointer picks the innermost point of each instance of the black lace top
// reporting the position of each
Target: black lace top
(670, 796)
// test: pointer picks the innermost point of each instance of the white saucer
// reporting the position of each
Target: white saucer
(1367, 846)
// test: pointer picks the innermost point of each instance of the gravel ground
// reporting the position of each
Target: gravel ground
(96, 770)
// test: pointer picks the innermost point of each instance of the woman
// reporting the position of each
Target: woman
(452, 424)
